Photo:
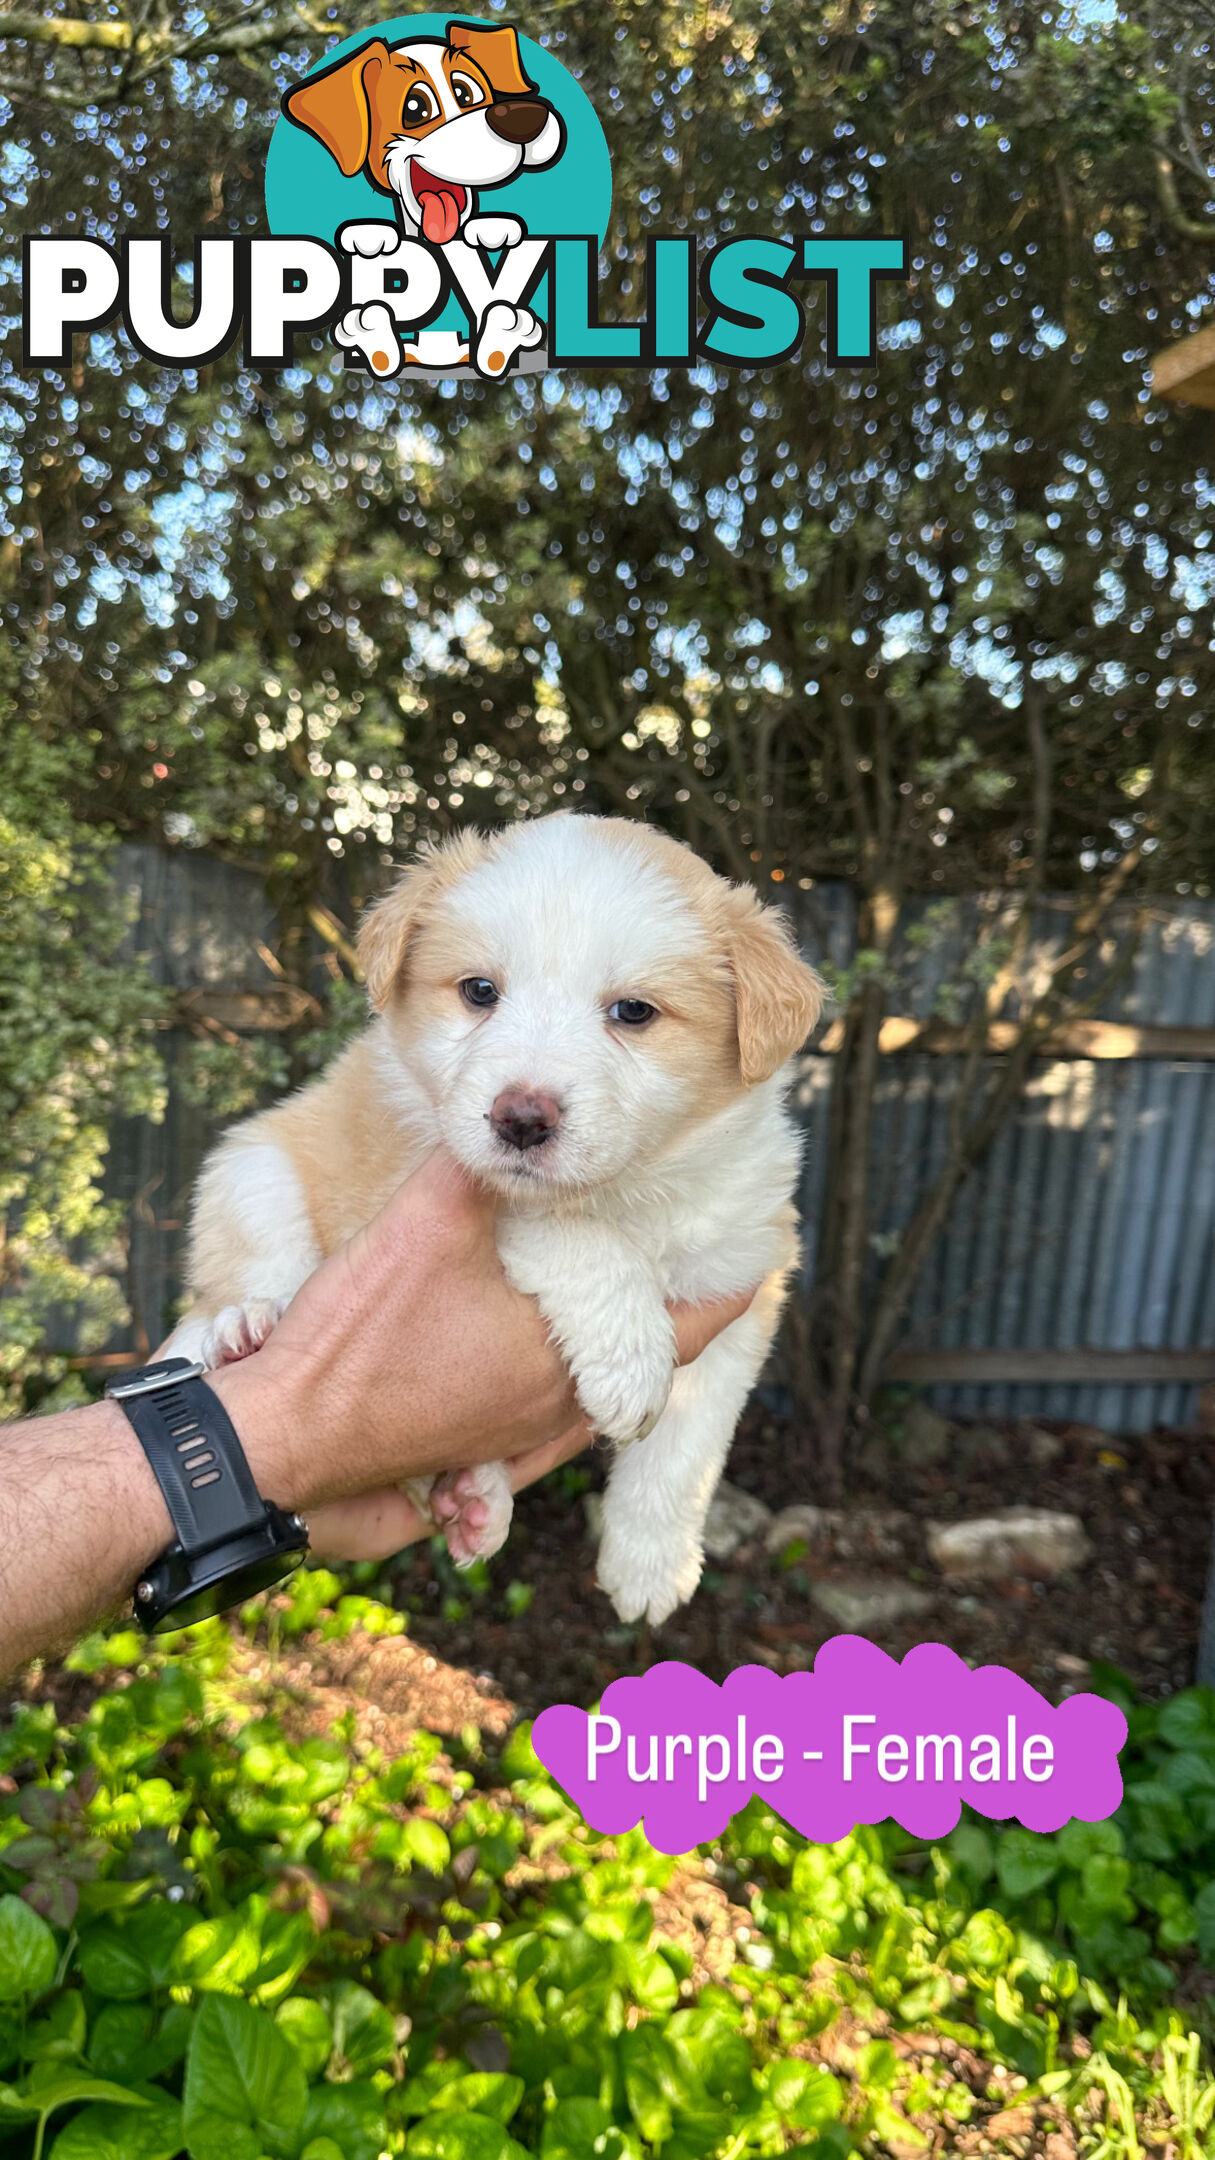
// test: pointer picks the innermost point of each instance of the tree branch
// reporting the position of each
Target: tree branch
(1170, 200)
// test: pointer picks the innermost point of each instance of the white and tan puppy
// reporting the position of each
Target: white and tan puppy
(599, 1028)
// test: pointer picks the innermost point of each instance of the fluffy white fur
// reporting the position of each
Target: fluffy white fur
(669, 1175)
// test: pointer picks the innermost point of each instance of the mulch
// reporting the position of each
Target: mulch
(1146, 1502)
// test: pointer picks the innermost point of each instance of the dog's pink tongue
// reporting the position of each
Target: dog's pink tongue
(440, 216)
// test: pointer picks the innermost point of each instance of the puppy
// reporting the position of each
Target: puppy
(430, 122)
(599, 1028)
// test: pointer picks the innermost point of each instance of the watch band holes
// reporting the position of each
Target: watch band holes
(199, 1462)
(209, 1477)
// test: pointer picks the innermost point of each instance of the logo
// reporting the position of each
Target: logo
(441, 158)
(438, 192)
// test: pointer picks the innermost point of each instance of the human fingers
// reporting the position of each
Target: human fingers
(366, 1526)
(696, 1326)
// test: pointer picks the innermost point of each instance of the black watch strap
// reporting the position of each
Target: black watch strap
(195, 1453)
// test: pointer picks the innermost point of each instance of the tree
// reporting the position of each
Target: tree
(934, 629)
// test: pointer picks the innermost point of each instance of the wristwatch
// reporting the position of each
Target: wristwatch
(229, 1542)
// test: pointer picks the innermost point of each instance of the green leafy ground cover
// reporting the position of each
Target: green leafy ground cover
(224, 1935)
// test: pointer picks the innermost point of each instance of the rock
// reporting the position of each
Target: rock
(734, 1517)
(868, 1601)
(1044, 1448)
(1013, 1541)
(848, 1531)
(800, 1521)
(920, 1436)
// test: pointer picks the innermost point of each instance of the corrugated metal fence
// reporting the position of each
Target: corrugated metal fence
(1089, 1227)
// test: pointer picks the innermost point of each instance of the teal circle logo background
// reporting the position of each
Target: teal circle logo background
(306, 192)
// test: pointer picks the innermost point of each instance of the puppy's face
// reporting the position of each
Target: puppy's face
(574, 994)
(431, 122)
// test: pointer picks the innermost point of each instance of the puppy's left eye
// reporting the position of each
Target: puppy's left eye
(479, 990)
(419, 106)
(632, 1012)
(466, 92)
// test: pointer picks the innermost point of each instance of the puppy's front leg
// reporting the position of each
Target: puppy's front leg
(603, 1302)
(658, 1495)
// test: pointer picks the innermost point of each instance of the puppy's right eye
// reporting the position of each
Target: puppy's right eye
(478, 990)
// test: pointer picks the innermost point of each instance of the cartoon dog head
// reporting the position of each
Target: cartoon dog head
(430, 122)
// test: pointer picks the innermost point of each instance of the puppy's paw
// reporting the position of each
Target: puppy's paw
(239, 1330)
(503, 332)
(473, 1509)
(623, 1396)
(645, 1578)
(494, 232)
(375, 237)
(371, 333)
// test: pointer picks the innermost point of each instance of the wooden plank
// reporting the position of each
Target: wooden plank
(1097, 1039)
(247, 1011)
(1186, 372)
(1033, 1368)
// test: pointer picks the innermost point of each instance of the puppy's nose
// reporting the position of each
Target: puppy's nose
(524, 1118)
(519, 121)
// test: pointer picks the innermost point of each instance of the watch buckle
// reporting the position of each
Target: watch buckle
(118, 1390)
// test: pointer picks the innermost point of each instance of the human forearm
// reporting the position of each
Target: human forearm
(406, 1354)
(80, 1516)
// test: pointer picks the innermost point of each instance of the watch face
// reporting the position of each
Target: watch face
(228, 1587)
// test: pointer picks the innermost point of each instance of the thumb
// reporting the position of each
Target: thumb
(441, 1196)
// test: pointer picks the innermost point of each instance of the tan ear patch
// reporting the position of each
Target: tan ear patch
(496, 53)
(389, 923)
(777, 995)
(336, 106)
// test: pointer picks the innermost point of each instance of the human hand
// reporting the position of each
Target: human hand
(408, 1353)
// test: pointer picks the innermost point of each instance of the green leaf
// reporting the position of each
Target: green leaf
(322, 2148)
(972, 1852)
(29, 1958)
(519, 1758)
(10, 2039)
(645, 2060)
(1188, 1720)
(1077, 1842)
(352, 2115)
(307, 2025)
(1025, 1862)
(60, 2034)
(1204, 1920)
(363, 2032)
(245, 2093)
(222, 1954)
(48, 2088)
(579, 2127)
(482, 2092)
(133, 1957)
(1105, 1880)
(803, 2096)
(106, 2132)
(129, 2042)
(462, 2137)
(426, 1843)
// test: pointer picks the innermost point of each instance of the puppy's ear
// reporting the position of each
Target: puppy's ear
(336, 106)
(496, 53)
(389, 923)
(777, 996)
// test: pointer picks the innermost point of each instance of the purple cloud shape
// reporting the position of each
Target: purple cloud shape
(861, 1738)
